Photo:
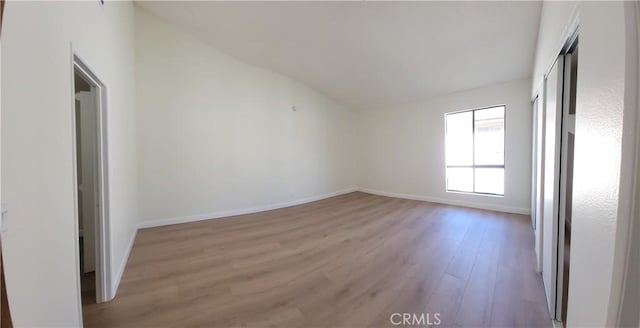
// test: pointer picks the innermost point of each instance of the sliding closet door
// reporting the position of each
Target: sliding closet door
(538, 177)
(553, 113)
(566, 181)
(534, 166)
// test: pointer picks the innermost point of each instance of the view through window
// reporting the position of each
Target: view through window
(475, 151)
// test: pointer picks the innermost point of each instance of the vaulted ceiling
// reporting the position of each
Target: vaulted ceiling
(370, 54)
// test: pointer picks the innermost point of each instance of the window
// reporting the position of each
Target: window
(475, 151)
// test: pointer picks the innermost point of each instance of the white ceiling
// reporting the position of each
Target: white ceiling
(370, 54)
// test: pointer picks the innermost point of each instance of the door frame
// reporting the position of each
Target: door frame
(103, 244)
(538, 156)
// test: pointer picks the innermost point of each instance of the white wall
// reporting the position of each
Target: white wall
(216, 135)
(403, 148)
(602, 180)
(37, 148)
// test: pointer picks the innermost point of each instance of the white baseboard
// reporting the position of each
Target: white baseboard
(115, 283)
(484, 206)
(223, 214)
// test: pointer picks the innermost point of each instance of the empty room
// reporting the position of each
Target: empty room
(319, 164)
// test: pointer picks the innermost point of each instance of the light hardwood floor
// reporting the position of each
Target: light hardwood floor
(347, 261)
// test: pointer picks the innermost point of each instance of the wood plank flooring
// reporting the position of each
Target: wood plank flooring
(347, 261)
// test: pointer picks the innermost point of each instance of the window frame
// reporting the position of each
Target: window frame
(473, 166)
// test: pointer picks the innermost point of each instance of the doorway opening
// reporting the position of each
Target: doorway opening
(89, 115)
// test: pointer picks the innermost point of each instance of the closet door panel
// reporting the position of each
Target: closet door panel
(553, 112)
